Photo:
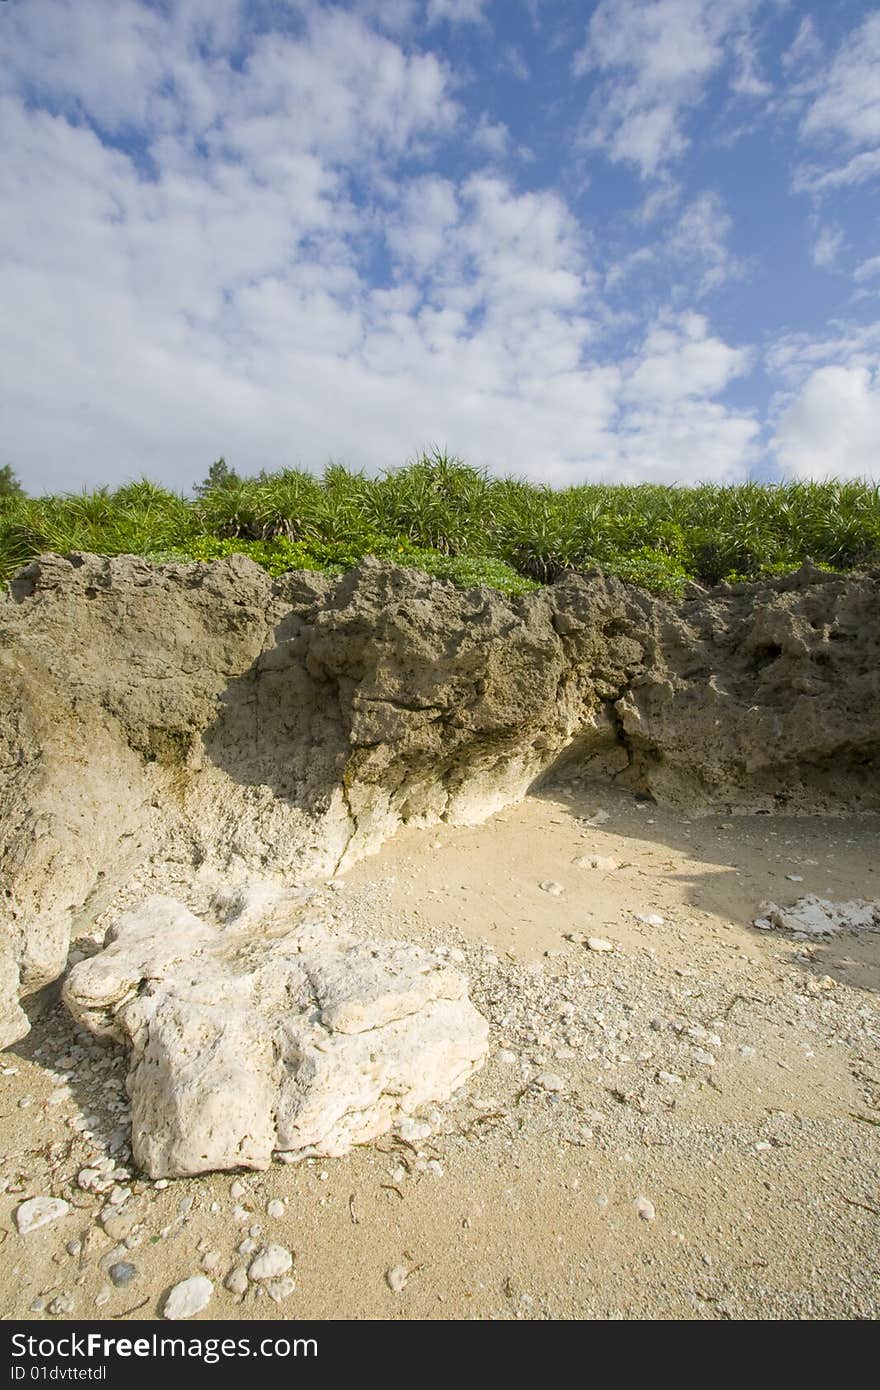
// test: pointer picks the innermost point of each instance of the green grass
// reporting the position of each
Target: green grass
(456, 522)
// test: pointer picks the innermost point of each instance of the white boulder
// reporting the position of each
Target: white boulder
(296, 1042)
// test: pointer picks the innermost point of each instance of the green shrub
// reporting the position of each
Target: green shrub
(451, 520)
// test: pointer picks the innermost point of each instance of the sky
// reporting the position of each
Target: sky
(632, 240)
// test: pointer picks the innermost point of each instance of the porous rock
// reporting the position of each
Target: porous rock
(241, 720)
(298, 1042)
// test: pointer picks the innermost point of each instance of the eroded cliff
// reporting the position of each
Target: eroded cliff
(213, 715)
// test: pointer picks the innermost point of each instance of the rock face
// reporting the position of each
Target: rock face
(209, 714)
(290, 1041)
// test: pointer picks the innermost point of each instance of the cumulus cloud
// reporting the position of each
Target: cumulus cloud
(828, 412)
(843, 117)
(226, 238)
(654, 58)
(833, 426)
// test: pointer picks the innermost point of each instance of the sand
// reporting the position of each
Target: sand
(760, 1164)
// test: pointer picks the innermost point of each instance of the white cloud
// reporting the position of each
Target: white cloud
(699, 240)
(849, 104)
(828, 410)
(868, 270)
(659, 54)
(456, 11)
(843, 117)
(203, 279)
(515, 63)
(827, 247)
(832, 429)
(492, 137)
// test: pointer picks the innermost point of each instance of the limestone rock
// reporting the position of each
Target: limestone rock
(299, 1042)
(188, 1298)
(39, 1211)
(819, 917)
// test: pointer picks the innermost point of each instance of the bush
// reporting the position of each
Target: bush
(456, 522)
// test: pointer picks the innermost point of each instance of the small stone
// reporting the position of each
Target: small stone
(279, 1289)
(598, 943)
(211, 1261)
(275, 1209)
(746, 1051)
(651, 919)
(237, 1190)
(122, 1273)
(669, 1078)
(248, 1247)
(704, 1058)
(188, 1297)
(413, 1130)
(396, 1278)
(103, 1296)
(74, 1248)
(645, 1209)
(62, 1304)
(549, 1081)
(549, 885)
(39, 1211)
(119, 1224)
(237, 1280)
(161, 1184)
(271, 1263)
(506, 1057)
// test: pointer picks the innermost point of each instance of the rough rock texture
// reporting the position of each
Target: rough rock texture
(291, 1041)
(210, 714)
(814, 916)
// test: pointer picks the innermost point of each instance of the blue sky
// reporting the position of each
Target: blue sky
(629, 240)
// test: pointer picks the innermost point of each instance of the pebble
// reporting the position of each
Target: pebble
(645, 1209)
(119, 1224)
(39, 1211)
(669, 1078)
(62, 1304)
(651, 919)
(413, 1130)
(506, 1057)
(237, 1280)
(211, 1261)
(122, 1273)
(704, 1058)
(275, 1209)
(596, 861)
(396, 1278)
(279, 1289)
(270, 1263)
(103, 1296)
(599, 943)
(237, 1190)
(549, 885)
(188, 1297)
(549, 1081)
